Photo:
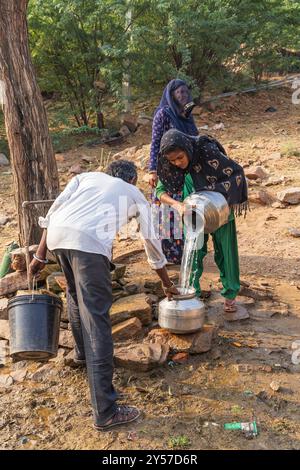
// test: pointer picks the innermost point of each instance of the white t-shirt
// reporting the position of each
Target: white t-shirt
(90, 211)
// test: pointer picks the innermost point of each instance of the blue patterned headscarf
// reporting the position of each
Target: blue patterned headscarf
(183, 124)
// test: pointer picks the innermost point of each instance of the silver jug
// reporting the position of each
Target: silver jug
(182, 315)
(207, 208)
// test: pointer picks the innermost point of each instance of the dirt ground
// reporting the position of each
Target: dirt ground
(186, 405)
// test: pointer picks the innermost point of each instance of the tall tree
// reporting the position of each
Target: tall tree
(34, 167)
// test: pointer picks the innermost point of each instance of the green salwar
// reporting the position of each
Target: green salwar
(225, 247)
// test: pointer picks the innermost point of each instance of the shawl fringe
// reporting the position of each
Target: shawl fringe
(241, 209)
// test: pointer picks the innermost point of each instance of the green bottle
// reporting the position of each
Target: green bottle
(248, 428)
(6, 260)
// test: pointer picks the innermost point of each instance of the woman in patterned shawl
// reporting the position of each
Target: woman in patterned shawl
(205, 160)
(174, 111)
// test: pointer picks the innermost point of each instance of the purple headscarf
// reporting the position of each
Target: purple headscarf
(183, 124)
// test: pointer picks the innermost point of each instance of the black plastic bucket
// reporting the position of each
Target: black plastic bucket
(34, 326)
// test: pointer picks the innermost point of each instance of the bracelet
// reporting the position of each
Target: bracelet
(45, 261)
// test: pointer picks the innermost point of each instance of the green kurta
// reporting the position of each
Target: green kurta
(225, 246)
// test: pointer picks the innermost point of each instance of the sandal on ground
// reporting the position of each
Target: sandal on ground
(205, 294)
(123, 415)
(230, 306)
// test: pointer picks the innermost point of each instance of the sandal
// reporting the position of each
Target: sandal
(205, 294)
(123, 415)
(230, 306)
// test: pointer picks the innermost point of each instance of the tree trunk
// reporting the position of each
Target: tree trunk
(34, 167)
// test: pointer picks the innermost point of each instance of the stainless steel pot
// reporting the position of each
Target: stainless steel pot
(206, 208)
(182, 315)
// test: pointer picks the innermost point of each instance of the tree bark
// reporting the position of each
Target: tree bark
(34, 167)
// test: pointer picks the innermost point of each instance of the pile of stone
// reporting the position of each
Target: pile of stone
(139, 343)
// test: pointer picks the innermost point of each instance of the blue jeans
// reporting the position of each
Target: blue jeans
(89, 297)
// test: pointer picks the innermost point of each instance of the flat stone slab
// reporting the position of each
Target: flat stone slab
(193, 343)
(141, 357)
(240, 314)
(129, 307)
(4, 329)
(66, 339)
(290, 196)
(13, 282)
(3, 309)
(127, 329)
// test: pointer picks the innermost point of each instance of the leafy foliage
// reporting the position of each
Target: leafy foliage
(83, 48)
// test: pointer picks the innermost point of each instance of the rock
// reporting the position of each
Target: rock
(127, 329)
(6, 380)
(262, 197)
(19, 375)
(255, 172)
(154, 286)
(48, 270)
(42, 373)
(275, 386)
(241, 313)
(61, 281)
(271, 217)
(141, 357)
(233, 146)
(278, 205)
(271, 109)
(13, 282)
(4, 329)
(279, 308)
(3, 309)
(3, 220)
(128, 256)
(274, 156)
(294, 232)
(130, 307)
(133, 288)
(76, 169)
(52, 284)
(218, 127)
(124, 131)
(129, 121)
(144, 121)
(249, 368)
(241, 299)
(129, 231)
(66, 339)
(290, 196)
(257, 293)
(152, 299)
(180, 358)
(69, 360)
(3, 160)
(273, 181)
(59, 157)
(194, 343)
(119, 294)
(4, 353)
(119, 272)
(18, 257)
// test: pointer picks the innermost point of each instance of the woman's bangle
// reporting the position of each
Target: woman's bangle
(45, 261)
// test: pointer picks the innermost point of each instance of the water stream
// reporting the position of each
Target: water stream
(194, 239)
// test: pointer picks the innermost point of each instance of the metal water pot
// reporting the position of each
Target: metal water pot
(207, 208)
(182, 315)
